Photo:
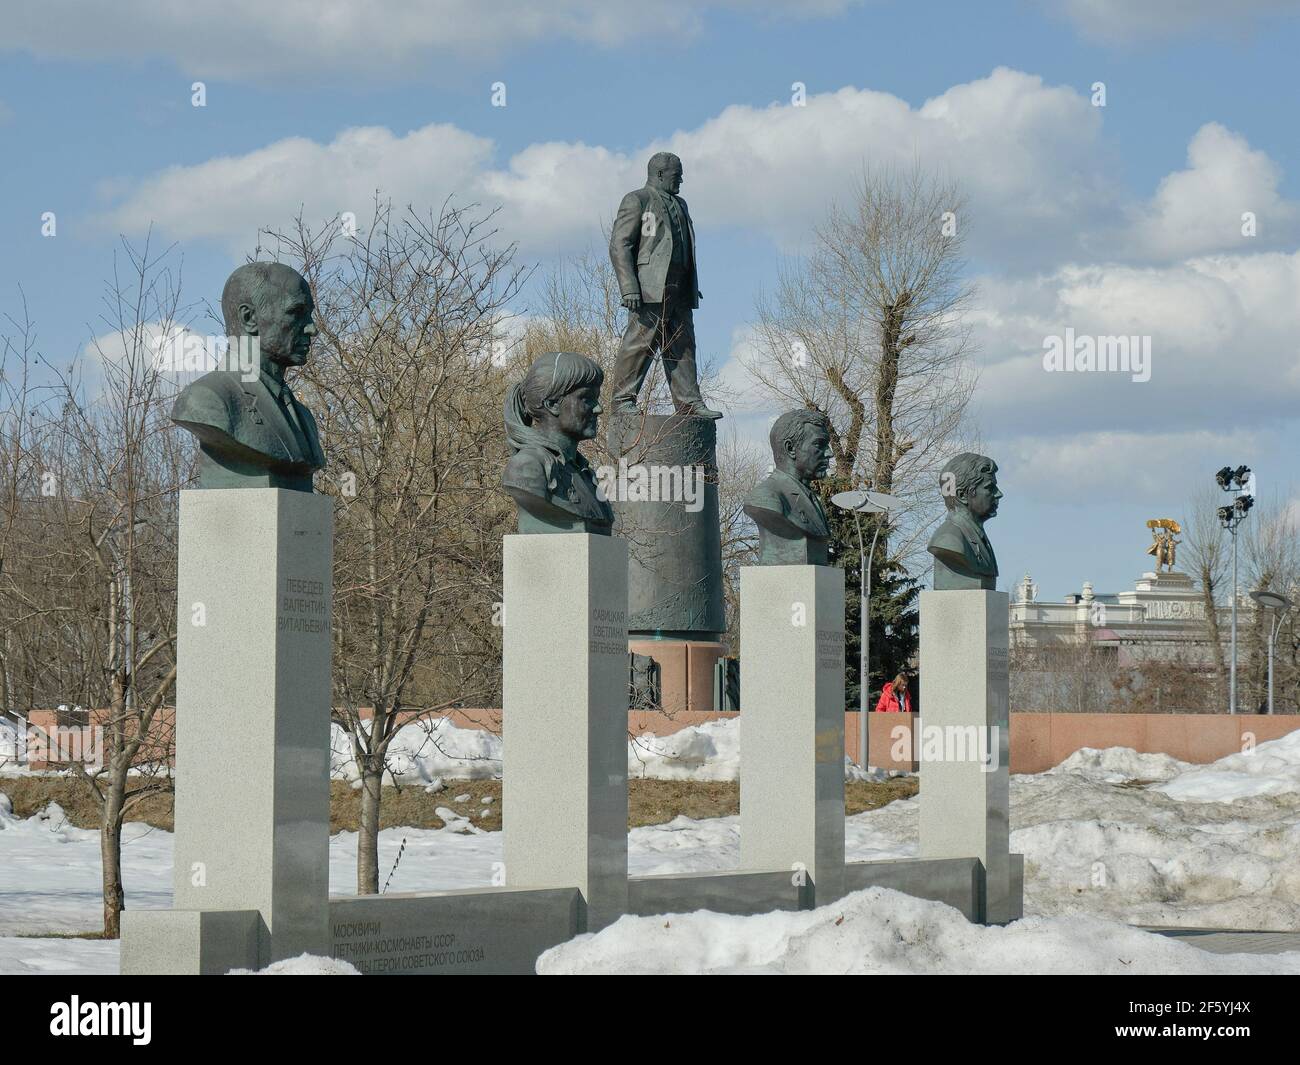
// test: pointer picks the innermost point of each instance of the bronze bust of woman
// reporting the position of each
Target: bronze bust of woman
(552, 410)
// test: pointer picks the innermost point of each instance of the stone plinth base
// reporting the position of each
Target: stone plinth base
(252, 732)
(963, 738)
(792, 736)
(190, 942)
(564, 718)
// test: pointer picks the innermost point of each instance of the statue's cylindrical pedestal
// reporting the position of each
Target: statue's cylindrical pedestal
(792, 723)
(564, 718)
(665, 499)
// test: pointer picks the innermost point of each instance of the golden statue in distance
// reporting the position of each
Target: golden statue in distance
(1165, 547)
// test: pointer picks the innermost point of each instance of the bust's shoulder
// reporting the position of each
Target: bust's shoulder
(209, 399)
(307, 415)
(529, 468)
(771, 493)
(948, 536)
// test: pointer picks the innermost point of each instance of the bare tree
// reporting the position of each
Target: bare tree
(96, 492)
(407, 380)
(1272, 555)
(1206, 554)
(869, 329)
(740, 467)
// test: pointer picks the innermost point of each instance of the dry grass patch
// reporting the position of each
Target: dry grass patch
(650, 802)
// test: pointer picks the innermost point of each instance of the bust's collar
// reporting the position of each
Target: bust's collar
(970, 527)
(805, 489)
(558, 452)
(274, 386)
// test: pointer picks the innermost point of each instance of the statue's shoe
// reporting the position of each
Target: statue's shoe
(699, 410)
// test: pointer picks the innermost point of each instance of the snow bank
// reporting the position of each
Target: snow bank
(1115, 765)
(1270, 769)
(710, 751)
(883, 931)
(302, 965)
(429, 752)
(424, 752)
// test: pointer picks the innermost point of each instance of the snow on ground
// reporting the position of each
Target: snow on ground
(11, 744)
(1196, 849)
(429, 752)
(1270, 769)
(426, 752)
(83, 957)
(302, 965)
(882, 931)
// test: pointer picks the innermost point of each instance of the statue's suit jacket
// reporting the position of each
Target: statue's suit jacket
(962, 535)
(786, 496)
(641, 260)
(220, 406)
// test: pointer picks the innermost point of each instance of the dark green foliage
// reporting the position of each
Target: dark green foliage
(894, 594)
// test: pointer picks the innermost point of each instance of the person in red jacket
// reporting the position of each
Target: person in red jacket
(895, 698)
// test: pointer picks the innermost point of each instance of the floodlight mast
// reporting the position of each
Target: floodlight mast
(1241, 482)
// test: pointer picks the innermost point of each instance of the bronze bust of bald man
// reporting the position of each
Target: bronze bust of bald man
(792, 525)
(963, 556)
(252, 431)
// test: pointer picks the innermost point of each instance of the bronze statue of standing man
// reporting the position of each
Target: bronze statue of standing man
(652, 247)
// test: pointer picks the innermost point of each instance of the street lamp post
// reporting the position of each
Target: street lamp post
(1279, 604)
(1242, 482)
(859, 503)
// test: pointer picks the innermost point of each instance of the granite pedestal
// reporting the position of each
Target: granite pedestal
(792, 723)
(564, 719)
(252, 727)
(963, 739)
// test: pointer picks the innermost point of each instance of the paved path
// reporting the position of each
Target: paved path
(1227, 941)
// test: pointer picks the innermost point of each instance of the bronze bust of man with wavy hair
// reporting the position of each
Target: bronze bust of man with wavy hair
(963, 556)
(792, 525)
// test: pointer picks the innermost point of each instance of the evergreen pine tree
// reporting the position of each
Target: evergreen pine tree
(894, 594)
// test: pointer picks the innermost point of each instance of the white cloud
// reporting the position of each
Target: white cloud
(257, 40)
(1030, 157)
(1225, 339)
(1115, 467)
(228, 198)
(1131, 21)
(1201, 208)
(1027, 154)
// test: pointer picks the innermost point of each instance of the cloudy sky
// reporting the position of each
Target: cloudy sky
(1122, 219)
